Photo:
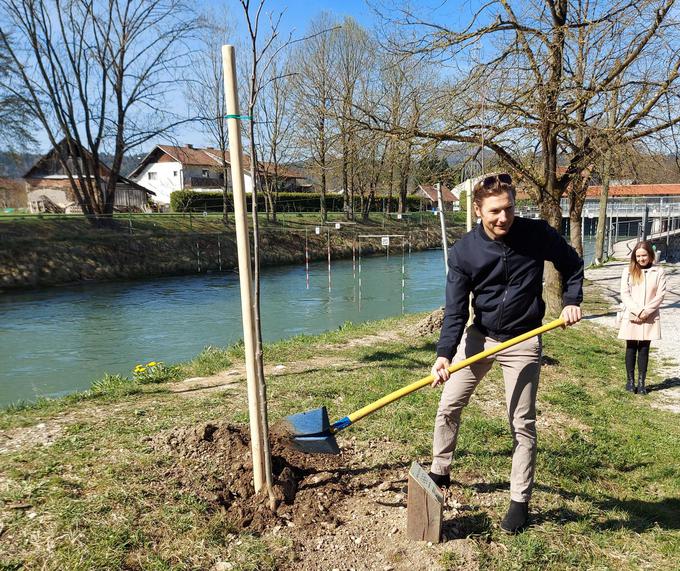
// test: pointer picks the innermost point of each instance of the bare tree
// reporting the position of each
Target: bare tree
(205, 92)
(352, 54)
(275, 130)
(16, 122)
(96, 73)
(547, 71)
(314, 98)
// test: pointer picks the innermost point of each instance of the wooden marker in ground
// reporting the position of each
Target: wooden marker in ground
(425, 506)
(244, 270)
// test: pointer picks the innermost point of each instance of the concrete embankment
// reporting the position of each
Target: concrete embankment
(29, 263)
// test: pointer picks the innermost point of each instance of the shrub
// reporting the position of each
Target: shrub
(192, 201)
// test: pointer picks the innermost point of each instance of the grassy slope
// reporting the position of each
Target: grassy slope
(608, 473)
(72, 227)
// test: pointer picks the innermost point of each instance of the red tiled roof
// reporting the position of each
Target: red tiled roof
(189, 156)
(431, 193)
(636, 190)
(211, 157)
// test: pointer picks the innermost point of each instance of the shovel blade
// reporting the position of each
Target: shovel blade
(311, 432)
(316, 444)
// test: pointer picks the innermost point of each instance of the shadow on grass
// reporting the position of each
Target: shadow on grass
(398, 358)
(474, 524)
(667, 384)
(640, 515)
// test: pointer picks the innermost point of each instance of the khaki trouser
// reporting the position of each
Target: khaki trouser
(521, 366)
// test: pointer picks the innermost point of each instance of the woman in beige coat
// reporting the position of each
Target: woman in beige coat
(643, 286)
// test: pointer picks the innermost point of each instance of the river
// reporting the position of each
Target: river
(58, 340)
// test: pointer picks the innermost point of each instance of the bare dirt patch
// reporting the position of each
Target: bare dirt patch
(214, 461)
(345, 512)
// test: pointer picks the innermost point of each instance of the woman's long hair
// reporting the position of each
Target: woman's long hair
(634, 269)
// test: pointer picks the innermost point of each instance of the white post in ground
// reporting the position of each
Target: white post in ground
(468, 227)
(244, 269)
(468, 204)
(440, 205)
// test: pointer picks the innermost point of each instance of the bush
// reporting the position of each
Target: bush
(192, 201)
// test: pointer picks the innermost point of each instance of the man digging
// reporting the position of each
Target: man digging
(501, 263)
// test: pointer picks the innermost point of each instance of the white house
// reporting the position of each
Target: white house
(169, 168)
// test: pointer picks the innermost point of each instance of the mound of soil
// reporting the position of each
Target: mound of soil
(214, 461)
(431, 324)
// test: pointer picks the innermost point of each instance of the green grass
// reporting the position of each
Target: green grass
(608, 476)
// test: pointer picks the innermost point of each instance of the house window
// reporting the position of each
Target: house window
(151, 175)
(206, 173)
(174, 173)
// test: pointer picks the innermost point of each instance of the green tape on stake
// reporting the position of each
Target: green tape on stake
(246, 117)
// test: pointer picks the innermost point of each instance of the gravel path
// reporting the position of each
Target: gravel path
(666, 393)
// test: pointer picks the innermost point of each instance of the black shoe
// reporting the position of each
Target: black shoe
(630, 384)
(442, 480)
(641, 390)
(517, 517)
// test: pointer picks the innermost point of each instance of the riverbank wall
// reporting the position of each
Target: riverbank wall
(32, 263)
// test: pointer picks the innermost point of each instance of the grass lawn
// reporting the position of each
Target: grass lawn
(608, 468)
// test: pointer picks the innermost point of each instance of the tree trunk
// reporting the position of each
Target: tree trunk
(552, 291)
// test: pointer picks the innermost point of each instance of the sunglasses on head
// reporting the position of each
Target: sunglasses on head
(492, 179)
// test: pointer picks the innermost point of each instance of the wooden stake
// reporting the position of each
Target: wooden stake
(244, 269)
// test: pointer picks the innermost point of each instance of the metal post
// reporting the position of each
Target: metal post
(644, 223)
(440, 205)
(668, 230)
(403, 280)
(616, 229)
(359, 249)
(306, 259)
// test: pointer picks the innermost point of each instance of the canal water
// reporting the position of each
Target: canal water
(58, 340)
(55, 341)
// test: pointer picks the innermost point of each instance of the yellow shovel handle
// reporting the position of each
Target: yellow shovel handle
(407, 390)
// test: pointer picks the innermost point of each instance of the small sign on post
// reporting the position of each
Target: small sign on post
(337, 225)
(425, 506)
(385, 240)
(399, 216)
(317, 230)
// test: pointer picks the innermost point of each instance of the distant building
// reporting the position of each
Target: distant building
(12, 193)
(48, 188)
(168, 168)
(636, 191)
(429, 193)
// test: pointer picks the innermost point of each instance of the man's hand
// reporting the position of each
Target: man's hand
(571, 314)
(440, 371)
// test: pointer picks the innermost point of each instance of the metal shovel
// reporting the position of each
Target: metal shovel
(312, 432)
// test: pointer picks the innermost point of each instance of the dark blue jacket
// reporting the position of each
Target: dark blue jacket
(505, 277)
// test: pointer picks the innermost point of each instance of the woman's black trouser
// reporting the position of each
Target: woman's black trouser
(641, 350)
